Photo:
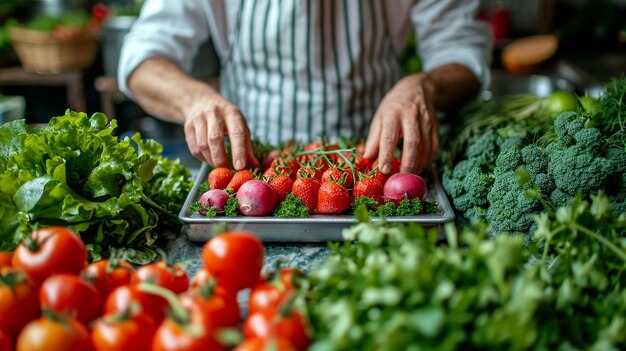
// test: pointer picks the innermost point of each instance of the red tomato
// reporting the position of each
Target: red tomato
(235, 259)
(123, 332)
(19, 300)
(274, 344)
(265, 296)
(122, 297)
(44, 334)
(48, 251)
(172, 336)
(220, 305)
(5, 258)
(181, 280)
(69, 295)
(269, 324)
(106, 275)
(171, 277)
(6, 341)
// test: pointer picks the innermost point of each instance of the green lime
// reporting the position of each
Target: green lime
(561, 101)
(591, 105)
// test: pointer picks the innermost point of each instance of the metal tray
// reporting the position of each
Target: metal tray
(317, 228)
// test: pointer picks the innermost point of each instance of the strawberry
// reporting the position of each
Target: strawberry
(381, 178)
(336, 174)
(363, 164)
(286, 165)
(306, 189)
(369, 187)
(269, 173)
(310, 172)
(282, 184)
(332, 198)
(220, 177)
(239, 178)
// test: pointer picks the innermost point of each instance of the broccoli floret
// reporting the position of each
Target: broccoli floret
(578, 169)
(509, 206)
(566, 125)
(514, 141)
(544, 183)
(509, 160)
(476, 214)
(477, 185)
(558, 198)
(575, 160)
(467, 184)
(534, 160)
(485, 148)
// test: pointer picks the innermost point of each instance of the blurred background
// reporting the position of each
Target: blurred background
(74, 63)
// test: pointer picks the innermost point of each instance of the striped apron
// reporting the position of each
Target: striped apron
(306, 69)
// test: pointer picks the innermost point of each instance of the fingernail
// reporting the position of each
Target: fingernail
(238, 164)
(385, 169)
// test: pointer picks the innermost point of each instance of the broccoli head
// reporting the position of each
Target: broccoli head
(509, 206)
(580, 167)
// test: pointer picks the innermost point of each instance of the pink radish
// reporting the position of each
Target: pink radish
(256, 198)
(214, 198)
(401, 186)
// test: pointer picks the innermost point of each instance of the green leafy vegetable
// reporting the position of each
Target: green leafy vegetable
(291, 206)
(392, 287)
(231, 208)
(76, 173)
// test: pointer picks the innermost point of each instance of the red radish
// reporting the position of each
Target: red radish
(214, 198)
(256, 198)
(401, 186)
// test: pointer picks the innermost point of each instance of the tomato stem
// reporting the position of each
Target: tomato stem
(179, 314)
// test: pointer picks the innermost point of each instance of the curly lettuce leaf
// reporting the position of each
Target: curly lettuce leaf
(78, 174)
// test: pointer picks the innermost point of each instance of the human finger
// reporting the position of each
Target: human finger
(387, 143)
(239, 137)
(215, 136)
(192, 132)
(410, 144)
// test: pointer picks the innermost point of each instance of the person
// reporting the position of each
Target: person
(300, 69)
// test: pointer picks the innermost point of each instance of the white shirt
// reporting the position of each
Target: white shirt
(302, 69)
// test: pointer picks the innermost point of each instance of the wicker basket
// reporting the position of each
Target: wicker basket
(40, 52)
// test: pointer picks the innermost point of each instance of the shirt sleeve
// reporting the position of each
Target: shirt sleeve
(173, 29)
(447, 31)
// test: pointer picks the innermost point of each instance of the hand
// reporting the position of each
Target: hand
(207, 122)
(405, 112)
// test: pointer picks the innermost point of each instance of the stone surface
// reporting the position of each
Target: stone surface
(302, 256)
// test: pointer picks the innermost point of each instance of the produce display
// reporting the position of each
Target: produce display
(77, 173)
(537, 260)
(317, 178)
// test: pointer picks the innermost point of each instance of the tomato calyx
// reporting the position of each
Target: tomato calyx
(12, 278)
(32, 242)
(207, 290)
(56, 317)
